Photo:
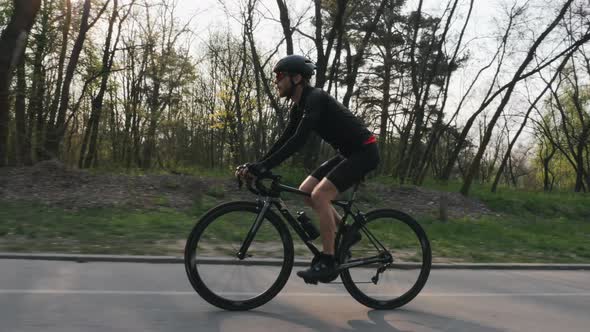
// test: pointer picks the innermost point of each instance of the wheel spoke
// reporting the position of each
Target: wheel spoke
(217, 273)
(400, 240)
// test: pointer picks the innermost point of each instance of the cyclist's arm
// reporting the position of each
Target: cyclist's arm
(288, 132)
(294, 143)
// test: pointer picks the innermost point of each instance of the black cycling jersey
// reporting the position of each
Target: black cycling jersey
(321, 113)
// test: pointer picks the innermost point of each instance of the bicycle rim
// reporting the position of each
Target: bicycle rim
(223, 279)
(395, 235)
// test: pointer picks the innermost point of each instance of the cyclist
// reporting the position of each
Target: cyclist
(314, 110)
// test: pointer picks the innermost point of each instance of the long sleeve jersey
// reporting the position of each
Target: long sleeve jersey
(318, 112)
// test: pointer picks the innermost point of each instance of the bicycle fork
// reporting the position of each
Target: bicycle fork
(254, 229)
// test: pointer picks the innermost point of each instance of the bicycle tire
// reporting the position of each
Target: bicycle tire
(191, 263)
(425, 266)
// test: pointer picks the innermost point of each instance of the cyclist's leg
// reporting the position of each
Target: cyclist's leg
(325, 267)
(353, 168)
(341, 177)
(322, 196)
(307, 186)
(314, 179)
(342, 174)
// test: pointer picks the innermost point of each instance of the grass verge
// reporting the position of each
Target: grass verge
(28, 227)
(527, 229)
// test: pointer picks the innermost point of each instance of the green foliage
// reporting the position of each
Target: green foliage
(562, 124)
(32, 227)
(569, 206)
(215, 192)
(525, 230)
(524, 226)
(178, 169)
(521, 203)
(292, 176)
(5, 14)
(510, 239)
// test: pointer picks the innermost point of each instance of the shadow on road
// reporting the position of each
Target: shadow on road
(287, 318)
(402, 319)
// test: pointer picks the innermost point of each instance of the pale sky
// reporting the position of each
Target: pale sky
(210, 16)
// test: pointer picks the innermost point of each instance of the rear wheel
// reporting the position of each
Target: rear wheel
(405, 264)
(214, 269)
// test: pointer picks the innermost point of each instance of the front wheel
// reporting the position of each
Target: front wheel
(211, 256)
(402, 248)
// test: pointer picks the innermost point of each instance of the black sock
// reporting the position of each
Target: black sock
(327, 259)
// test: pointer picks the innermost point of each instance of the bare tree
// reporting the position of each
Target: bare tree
(357, 59)
(91, 135)
(438, 127)
(524, 122)
(423, 77)
(167, 69)
(477, 159)
(56, 130)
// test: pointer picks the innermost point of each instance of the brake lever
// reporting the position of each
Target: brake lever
(239, 178)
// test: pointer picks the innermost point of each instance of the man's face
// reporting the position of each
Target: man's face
(283, 83)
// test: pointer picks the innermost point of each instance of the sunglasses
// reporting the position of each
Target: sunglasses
(280, 75)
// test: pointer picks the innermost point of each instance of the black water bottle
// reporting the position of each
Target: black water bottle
(308, 226)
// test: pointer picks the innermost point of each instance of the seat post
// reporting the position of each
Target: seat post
(356, 187)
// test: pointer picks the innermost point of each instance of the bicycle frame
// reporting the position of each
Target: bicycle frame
(273, 198)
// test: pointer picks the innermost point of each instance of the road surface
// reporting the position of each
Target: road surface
(67, 296)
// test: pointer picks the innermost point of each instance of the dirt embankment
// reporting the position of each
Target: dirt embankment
(52, 183)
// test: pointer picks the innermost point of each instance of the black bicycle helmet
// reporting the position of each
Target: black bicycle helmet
(296, 64)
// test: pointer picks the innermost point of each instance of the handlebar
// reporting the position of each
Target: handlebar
(259, 188)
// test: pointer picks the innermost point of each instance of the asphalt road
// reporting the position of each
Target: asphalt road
(68, 296)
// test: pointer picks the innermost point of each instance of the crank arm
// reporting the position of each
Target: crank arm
(361, 262)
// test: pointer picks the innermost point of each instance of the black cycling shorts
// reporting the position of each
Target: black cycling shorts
(344, 172)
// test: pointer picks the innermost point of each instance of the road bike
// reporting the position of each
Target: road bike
(240, 254)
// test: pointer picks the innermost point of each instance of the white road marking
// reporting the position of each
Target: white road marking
(296, 294)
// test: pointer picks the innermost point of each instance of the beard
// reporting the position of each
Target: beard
(282, 92)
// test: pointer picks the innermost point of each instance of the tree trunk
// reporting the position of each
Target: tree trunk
(56, 134)
(97, 102)
(154, 105)
(319, 40)
(36, 107)
(438, 127)
(23, 153)
(12, 43)
(546, 159)
(286, 24)
(241, 149)
(546, 174)
(385, 103)
(260, 127)
(43, 152)
(422, 94)
(150, 142)
(579, 186)
(258, 66)
(358, 57)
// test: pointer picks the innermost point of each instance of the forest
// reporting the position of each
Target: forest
(497, 98)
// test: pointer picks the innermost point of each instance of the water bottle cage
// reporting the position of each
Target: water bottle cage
(309, 228)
